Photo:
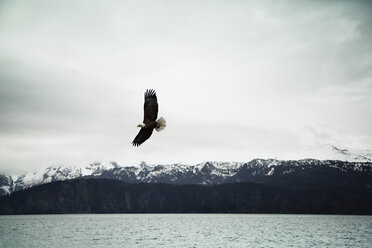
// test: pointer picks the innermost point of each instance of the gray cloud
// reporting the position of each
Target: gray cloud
(235, 80)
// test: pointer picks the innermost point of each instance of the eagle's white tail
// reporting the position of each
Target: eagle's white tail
(162, 123)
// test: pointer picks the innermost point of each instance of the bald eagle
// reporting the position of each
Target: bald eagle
(150, 123)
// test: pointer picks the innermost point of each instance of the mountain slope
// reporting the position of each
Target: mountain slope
(114, 196)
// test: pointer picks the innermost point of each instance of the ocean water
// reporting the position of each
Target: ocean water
(185, 230)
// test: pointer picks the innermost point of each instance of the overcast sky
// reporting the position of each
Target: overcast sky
(235, 80)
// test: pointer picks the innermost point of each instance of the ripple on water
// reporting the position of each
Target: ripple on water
(185, 230)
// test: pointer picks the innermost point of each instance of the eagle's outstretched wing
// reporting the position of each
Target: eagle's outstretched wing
(150, 107)
(150, 110)
(142, 136)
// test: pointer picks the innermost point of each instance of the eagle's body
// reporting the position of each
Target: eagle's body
(150, 123)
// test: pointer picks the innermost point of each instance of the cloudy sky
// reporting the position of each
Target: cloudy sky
(235, 80)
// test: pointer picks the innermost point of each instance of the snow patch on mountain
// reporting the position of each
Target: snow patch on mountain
(350, 155)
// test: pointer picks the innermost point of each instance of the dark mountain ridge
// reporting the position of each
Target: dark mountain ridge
(115, 196)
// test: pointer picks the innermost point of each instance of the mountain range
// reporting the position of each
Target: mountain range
(306, 173)
(333, 186)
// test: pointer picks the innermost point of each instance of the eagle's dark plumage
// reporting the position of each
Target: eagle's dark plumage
(150, 123)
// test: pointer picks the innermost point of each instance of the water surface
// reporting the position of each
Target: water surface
(185, 230)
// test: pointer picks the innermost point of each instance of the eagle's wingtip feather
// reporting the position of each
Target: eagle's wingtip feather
(150, 92)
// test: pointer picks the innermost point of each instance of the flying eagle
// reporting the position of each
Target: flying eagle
(150, 123)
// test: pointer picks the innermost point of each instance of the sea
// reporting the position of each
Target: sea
(185, 230)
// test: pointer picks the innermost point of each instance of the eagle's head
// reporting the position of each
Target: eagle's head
(141, 125)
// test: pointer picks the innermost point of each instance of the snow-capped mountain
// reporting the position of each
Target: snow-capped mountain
(204, 173)
(209, 173)
(350, 155)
